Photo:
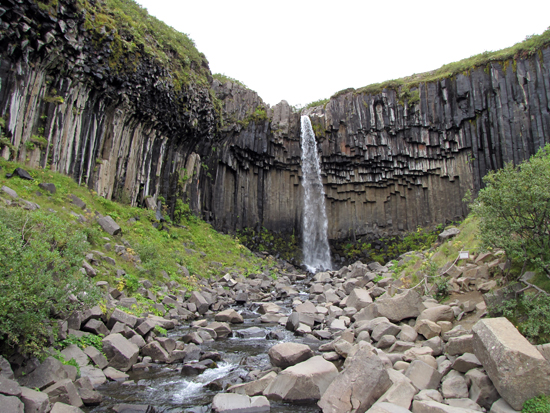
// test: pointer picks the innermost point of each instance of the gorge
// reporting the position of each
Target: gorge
(84, 98)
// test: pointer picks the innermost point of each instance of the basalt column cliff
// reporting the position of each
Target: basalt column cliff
(135, 117)
(389, 163)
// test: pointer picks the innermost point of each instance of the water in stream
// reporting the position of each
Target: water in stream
(168, 391)
(315, 224)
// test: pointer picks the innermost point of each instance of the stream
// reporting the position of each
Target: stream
(168, 391)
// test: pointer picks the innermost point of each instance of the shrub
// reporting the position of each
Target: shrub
(514, 210)
(40, 255)
(539, 404)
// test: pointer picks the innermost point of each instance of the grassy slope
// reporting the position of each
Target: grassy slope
(194, 244)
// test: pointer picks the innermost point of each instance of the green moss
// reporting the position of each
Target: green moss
(224, 79)
(320, 102)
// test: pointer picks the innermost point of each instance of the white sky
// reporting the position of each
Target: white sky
(303, 50)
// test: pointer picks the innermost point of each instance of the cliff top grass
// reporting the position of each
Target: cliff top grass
(224, 79)
(527, 48)
(136, 33)
(192, 243)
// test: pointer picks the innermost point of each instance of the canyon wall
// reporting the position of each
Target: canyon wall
(388, 165)
(130, 132)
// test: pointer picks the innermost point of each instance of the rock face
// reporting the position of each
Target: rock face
(517, 369)
(389, 163)
(353, 390)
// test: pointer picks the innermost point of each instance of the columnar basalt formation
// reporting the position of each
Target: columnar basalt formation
(122, 124)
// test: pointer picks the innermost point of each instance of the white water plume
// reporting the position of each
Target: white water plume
(315, 224)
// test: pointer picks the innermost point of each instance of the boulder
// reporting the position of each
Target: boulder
(122, 317)
(304, 382)
(482, 390)
(120, 352)
(284, 355)
(230, 316)
(64, 391)
(454, 386)
(65, 408)
(385, 407)
(437, 313)
(466, 362)
(96, 376)
(74, 352)
(49, 372)
(448, 233)
(11, 404)
(199, 301)
(252, 332)
(238, 403)
(517, 369)
(358, 299)
(109, 225)
(405, 305)
(435, 407)
(427, 328)
(500, 406)
(401, 391)
(35, 401)
(156, 352)
(352, 389)
(9, 387)
(5, 368)
(422, 375)
(222, 329)
(460, 345)
(253, 388)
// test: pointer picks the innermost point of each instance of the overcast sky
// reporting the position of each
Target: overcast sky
(303, 50)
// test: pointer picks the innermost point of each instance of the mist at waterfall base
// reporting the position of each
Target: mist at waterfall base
(315, 247)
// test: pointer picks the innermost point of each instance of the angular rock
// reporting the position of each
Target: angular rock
(109, 225)
(385, 407)
(517, 369)
(96, 327)
(405, 305)
(114, 374)
(122, 317)
(252, 332)
(454, 386)
(435, 407)
(460, 345)
(437, 313)
(466, 362)
(9, 387)
(238, 403)
(500, 406)
(422, 375)
(200, 302)
(5, 368)
(64, 391)
(482, 390)
(358, 299)
(427, 328)
(401, 391)
(222, 329)
(304, 382)
(35, 401)
(253, 388)
(156, 352)
(11, 404)
(48, 373)
(65, 408)
(230, 316)
(352, 389)
(74, 352)
(284, 355)
(120, 352)
(96, 376)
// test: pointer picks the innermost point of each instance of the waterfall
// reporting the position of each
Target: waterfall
(315, 223)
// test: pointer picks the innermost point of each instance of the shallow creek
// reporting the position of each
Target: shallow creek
(167, 390)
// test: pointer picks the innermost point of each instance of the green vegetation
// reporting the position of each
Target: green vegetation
(320, 102)
(539, 404)
(83, 342)
(276, 244)
(529, 313)
(224, 79)
(514, 211)
(40, 254)
(135, 35)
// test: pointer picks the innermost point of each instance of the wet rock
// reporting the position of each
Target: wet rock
(352, 389)
(284, 355)
(252, 332)
(517, 369)
(303, 382)
(466, 362)
(193, 369)
(255, 387)
(222, 329)
(114, 374)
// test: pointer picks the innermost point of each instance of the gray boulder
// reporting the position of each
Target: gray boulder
(49, 372)
(109, 225)
(11, 404)
(284, 355)
(229, 316)
(517, 369)
(120, 352)
(304, 382)
(405, 305)
(352, 389)
(64, 391)
(359, 299)
(238, 403)
(35, 401)
(5, 368)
